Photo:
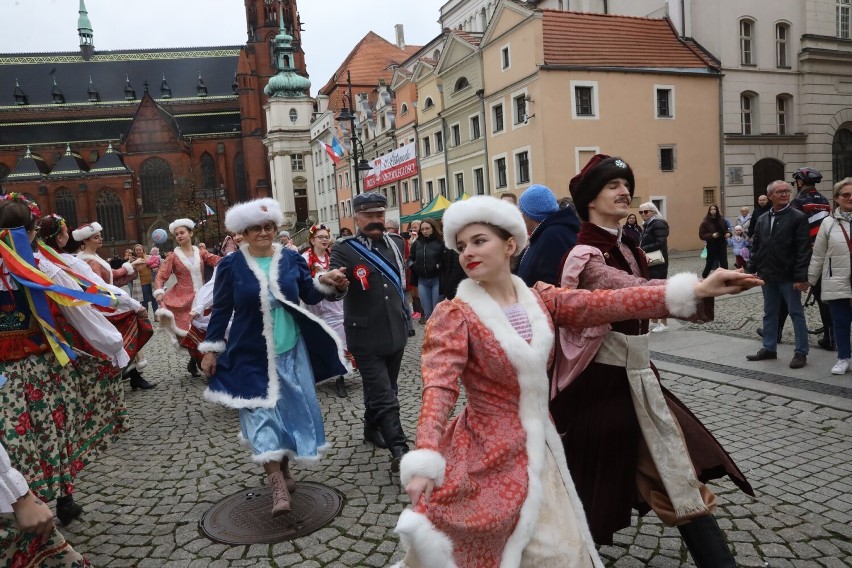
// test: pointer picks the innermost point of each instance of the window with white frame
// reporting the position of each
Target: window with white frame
(519, 107)
(415, 189)
(428, 103)
(667, 158)
(497, 124)
(843, 14)
(405, 192)
(430, 190)
(479, 180)
(522, 166)
(664, 98)
(475, 129)
(500, 175)
(747, 111)
(346, 177)
(442, 186)
(439, 141)
(297, 161)
(782, 48)
(403, 110)
(393, 197)
(459, 184)
(584, 99)
(455, 134)
(505, 59)
(784, 107)
(427, 146)
(747, 56)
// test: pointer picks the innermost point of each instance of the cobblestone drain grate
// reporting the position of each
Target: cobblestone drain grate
(781, 380)
(244, 517)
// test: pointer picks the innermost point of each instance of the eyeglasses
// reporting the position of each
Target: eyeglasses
(644, 212)
(322, 237)
(782, 192)
(845, 195)
(268, 228)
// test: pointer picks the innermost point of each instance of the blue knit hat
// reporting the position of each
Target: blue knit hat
(538, 203)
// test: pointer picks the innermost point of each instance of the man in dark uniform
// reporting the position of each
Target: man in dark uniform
(376, 319)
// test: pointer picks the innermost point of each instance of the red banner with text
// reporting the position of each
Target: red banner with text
(391, 168)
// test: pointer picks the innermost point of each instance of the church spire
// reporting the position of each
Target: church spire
(87, 36)
(286, 83)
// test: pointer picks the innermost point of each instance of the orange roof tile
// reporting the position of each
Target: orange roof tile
(371, 60)
(601, 40)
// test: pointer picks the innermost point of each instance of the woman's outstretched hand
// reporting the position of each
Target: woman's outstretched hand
(420, 486)
(723, 282)
(208, 364)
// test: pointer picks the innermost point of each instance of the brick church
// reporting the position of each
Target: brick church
(135, 138)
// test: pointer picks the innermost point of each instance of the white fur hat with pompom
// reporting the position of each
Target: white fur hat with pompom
(488, 210)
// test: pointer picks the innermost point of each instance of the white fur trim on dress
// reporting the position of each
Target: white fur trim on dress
(529, 361)
(426, 463)
(159, 291)
(432, 547)
(243, 215)
(194, 268)
(271, 398)
(83, 232)
(188, 223)
(167, 324)
(326, 289)
(484, 209)
(129, 268)
(680, 295)
(212, 346)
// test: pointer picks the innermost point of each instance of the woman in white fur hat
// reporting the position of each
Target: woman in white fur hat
(187, 263)
(275, 348)
(491, 486)
(91, 235)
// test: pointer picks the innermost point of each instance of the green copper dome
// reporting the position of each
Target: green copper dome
(83, 23)
(287, 84)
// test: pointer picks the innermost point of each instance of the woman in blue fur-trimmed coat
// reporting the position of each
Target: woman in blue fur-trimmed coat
(275, 349)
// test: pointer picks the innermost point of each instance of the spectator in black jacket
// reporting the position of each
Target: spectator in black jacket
(781, 252)
(425, 261)
(553, 233)
(763, 206)
(655, 236)
(452, 273)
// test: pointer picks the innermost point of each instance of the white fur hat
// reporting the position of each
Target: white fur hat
(83, 232)
(188, 223)
(484, 209)
(244, 215)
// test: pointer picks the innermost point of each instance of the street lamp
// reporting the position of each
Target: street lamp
(346, 115)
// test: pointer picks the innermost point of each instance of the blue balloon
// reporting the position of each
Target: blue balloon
(159, 236)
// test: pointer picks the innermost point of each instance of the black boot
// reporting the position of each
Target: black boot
(396, 457)
(706, 543)
(67, 510)
(373, 435)
(340, 387)
(137, 382)
(192, 368)
(395, 437)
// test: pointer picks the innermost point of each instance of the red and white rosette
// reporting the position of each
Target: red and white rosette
(361, 273)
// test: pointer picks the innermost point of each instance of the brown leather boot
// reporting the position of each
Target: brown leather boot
(280, 495)
(285, 472)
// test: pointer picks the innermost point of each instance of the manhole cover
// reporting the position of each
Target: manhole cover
(243, 518)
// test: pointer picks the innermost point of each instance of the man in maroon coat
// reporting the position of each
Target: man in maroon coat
(623, 450)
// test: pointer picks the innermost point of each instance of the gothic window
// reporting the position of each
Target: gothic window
(157, 185)
(66, 206)
(208, 172)
(240, 175)
(109, 212)
(841, 153)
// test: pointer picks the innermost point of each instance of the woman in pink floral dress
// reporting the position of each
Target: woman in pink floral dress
(187, 263)
(491, 486)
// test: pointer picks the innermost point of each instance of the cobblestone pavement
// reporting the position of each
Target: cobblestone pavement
(145, 497)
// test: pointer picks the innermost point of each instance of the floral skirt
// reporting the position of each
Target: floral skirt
(54, 419)
(294, 427)
(21, 550)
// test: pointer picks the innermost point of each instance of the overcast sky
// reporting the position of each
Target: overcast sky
(332, 27)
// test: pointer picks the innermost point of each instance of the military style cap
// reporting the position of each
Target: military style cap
(369, 202)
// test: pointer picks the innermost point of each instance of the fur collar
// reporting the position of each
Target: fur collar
(86, 256)
(598, 237)
(194, 267)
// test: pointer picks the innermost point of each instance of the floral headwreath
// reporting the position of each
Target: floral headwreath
(14, 196)
(60, 222)
(318, 227)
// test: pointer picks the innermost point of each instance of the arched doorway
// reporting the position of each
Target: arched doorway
(841, 154)
(300, 194)
(765, 172)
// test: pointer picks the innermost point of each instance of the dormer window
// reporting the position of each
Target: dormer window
(428, 103)
(462, 83)
(403, 109)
